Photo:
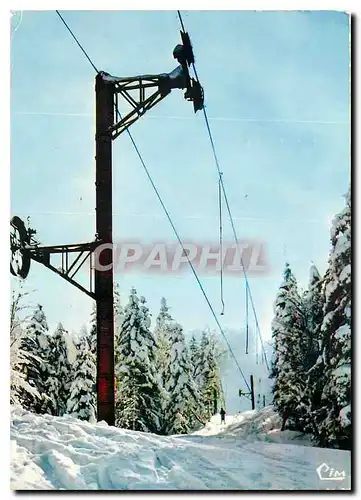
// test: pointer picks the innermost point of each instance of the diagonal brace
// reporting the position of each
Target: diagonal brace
(162, 85)
(47, 264)
(136, 113)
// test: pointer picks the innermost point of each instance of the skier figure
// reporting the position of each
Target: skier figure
(223, 415)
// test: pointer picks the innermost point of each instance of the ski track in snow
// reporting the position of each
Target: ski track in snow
(248, 453)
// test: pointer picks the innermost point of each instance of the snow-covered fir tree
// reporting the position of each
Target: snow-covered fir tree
(164, 317)
(35, 345)
(58, 373)
(82, 396)
(138, 394)
(287, 367)
(20, 388)
(19, 359)
(195, 357)
(83, 332)
(161, 335)
(335, 414)
(208, 375)
(312, 304)
(118, 310)
(183, 405)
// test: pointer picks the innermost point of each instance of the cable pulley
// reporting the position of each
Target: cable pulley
(185, 56)
(108, 86)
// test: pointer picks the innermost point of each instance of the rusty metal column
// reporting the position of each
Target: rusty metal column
(104, 92)
(252, 392)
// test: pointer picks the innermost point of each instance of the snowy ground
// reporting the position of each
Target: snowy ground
(248, 453)
(262, 425)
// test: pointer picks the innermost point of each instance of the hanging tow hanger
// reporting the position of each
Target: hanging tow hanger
(221, 237)
(257, 353)
(246, 352)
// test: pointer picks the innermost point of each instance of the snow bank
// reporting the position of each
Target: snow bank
(64, 453)
(255, 425)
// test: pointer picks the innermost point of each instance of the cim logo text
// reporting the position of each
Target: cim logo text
(327, 473)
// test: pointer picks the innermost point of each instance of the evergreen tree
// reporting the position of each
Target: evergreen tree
(82, 397)
(313, 316)
(287, 367)
(195, 356)
(162, 357)
(58, 373)
(312, 360)
(35, 345)
(164, 317)
(20, 389)
(19, 359)
(181, 413)
(118, 310)
(138, 397)
(83, 331)
(335, 412)
(161, 335)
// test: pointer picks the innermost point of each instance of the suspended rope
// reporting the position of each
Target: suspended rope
(180, 20)
(169, 218)
(77, 41)
(221, 238)
(186, 254)
(246, 320)
(228, 209)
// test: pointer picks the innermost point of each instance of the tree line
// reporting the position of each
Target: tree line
(167, 385)
(311, 331)
(164, 384)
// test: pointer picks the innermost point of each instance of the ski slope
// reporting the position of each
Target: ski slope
(258, 425)
(247, 453)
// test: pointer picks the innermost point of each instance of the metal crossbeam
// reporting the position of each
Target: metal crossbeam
(77, 247)
(122, 86)
(42, 254)
(139, 108)
(40, 259)
(108, 90)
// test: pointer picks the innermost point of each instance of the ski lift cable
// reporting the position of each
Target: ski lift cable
(77, 41)
(257, 353)
(186, 254)
(248, 288)
(181, 20)
(228, 207)
(246, 320)
(170, 221)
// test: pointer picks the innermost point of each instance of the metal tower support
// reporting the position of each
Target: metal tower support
(104, 92)
(141, 93)
(250, 394)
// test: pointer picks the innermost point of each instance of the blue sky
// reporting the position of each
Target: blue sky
(277, 94)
